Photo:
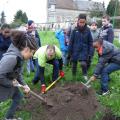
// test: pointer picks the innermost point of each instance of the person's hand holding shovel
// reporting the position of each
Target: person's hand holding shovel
(26, 88)
(61, 73)
(93, 78)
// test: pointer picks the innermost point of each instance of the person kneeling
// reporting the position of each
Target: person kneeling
(109, 61)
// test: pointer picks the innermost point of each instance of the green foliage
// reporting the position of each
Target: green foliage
(97, 12)
(113, 5)
(19, 19)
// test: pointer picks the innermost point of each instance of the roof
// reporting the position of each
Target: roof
(81, 5)
(66, 4)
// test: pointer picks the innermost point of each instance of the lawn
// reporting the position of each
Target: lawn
(111, 101)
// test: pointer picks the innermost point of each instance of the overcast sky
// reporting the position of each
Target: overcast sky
(35, 9)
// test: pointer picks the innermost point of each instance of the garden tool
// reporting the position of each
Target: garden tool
(53, 83)
(86, 87)
(47, 102)
(87, 84)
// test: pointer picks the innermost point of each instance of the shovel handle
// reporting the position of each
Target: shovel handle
(52, 84)
(38, 96)
(88, 82)
(33, 93)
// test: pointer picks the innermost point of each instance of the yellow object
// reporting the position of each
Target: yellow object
(52, 84)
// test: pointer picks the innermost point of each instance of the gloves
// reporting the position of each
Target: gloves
(61, 73)
(43, 88)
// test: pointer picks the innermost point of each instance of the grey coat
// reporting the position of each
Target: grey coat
(10, 69)
(110, 54)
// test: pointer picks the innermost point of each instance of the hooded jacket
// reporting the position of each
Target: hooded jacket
(80, 47)
(106, 33)
(10, 69)
(110, 54)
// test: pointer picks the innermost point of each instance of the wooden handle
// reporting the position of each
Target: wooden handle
(38, 96)
(88, 82)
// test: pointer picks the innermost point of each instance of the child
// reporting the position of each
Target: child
(52, 55)
(80, 47)
(61, 35)
(109, 61)
(22, 48)
(94, 33)
(106, 31)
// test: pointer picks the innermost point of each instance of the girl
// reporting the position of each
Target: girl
(22, 48)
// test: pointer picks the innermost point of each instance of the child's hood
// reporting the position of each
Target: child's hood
(12, 50)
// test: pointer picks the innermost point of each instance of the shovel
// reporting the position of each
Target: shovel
(52, 83)
(47, 102)
(86, 87)
(87, 84)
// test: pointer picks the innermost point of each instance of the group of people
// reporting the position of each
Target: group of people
(82, 42)
(77, 44)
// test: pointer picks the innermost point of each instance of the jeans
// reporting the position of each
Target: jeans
(30, 65)
(64, 57)
(37, 73)
(105, 75)
(16, 98)
(40, 72)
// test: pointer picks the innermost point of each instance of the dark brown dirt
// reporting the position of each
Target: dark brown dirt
(70, 103)
(109, 116)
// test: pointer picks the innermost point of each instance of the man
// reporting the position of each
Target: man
(80, 47)
(52, 55)
(106, 31)
(5, 39)
(109, 61)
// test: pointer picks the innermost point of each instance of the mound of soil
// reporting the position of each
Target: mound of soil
(109, 116)
(70, 102)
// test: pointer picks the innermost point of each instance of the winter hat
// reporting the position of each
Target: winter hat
(30, 22)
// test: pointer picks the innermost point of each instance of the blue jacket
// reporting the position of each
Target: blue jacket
(4, 44)
(106, 33)
(80, 47)
(60, 36)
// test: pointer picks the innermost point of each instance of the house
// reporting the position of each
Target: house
(67, 10)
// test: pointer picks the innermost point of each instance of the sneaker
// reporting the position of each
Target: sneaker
(103, 93)
(85, 78)
(43, 88)
(106, 93)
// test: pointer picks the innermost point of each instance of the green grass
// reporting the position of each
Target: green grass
(111, 101)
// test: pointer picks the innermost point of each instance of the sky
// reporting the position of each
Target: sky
(35, 9)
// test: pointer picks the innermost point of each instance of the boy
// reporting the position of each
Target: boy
(109, 61)
(22, 48)
(94, 33)
(80, 47)
(52, 55)
(106, 31)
